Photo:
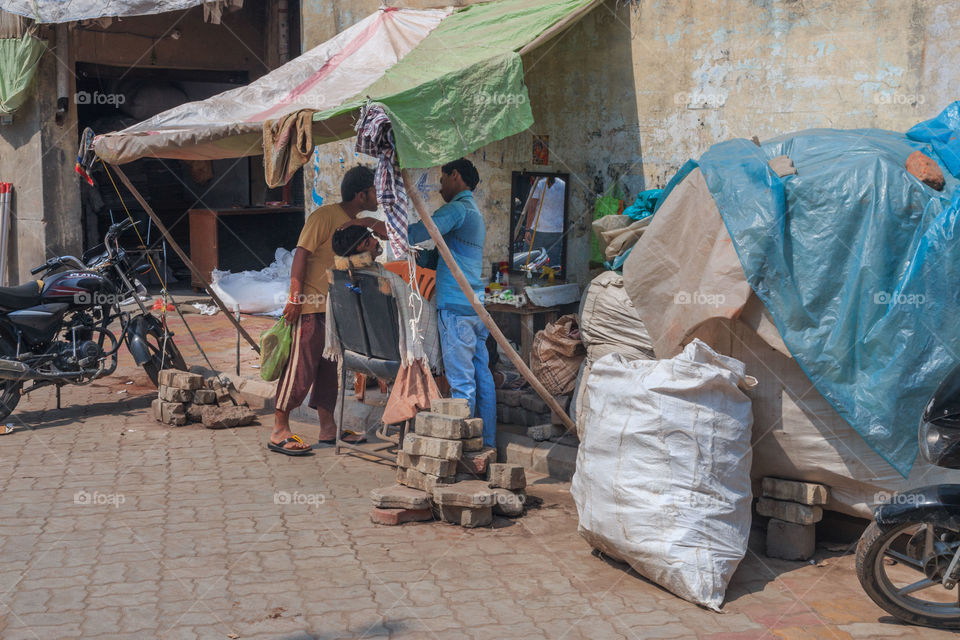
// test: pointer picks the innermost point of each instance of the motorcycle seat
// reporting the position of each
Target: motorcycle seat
(20, 297)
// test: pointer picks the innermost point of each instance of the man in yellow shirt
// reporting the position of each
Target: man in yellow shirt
(305, 311)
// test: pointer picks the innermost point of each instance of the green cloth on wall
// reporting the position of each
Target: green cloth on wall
(18, 68)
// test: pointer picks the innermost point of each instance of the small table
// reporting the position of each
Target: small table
(528, 314)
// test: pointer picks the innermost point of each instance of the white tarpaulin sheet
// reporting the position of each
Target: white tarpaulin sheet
(61, 11)
(230, 124)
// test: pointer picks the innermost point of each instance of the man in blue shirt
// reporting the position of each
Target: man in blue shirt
(463, 335)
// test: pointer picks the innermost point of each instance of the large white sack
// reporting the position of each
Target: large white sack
(261, 292)
(663, 469)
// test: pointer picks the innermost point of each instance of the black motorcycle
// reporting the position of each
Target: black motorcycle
(908, 559)
(56, 331)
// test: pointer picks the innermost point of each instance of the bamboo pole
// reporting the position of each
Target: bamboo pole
(468, 291)
(183, 256)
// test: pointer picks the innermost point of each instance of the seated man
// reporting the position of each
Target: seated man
(354, 240)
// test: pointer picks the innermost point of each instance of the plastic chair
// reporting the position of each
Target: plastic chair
(367, 326)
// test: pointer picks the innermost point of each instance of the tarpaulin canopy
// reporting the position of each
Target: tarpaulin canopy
(56, 11)
(18, 60)
(451, 83)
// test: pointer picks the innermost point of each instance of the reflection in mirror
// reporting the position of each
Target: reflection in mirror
(538, 219)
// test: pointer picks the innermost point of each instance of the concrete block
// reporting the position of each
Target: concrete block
(418, 480)
(259, 395)
(438, 425)
(473, 444)
(790, 541)
(204, 396)
(425, 464)
(789, 511)
(507, 476)
(543, 432)
(223, 417)
(472, 494)
(476, 463)
(173, 413)
(508, 503)
(174, 394)
(533, 402)
(400, 497)
(394, 517)
(807, 493)
(195, 412)
(466, 517)
(509, 397)
(459, 407)
(417, 445)
(180, 379)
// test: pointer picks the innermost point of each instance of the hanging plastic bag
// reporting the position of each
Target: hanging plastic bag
(275, 350)
(610, 203)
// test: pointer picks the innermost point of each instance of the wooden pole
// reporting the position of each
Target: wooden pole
(183, 256)
(468, 291)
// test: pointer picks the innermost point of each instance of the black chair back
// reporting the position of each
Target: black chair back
(366, 320)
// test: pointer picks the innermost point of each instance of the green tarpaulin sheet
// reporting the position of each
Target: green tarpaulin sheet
(18, 68)
(462, 87)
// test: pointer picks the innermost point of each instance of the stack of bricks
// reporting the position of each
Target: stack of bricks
(794, 509)
(442, 470)
(184, 397)
(526, 408)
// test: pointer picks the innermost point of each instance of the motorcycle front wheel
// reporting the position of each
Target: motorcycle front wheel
(164, 354)
(901, 569)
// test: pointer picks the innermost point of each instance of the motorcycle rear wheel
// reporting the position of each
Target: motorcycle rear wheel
(875, 555)
(163, 355)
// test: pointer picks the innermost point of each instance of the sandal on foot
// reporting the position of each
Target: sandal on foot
(280, 448)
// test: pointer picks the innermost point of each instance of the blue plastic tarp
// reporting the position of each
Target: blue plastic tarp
(857, 261)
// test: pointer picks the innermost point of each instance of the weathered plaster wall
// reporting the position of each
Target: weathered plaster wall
(710, 70)
(322, 19)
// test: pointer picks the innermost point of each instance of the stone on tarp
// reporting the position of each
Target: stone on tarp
(400, 497)
(925, 169)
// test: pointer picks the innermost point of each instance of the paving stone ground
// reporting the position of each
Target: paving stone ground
(114, 526)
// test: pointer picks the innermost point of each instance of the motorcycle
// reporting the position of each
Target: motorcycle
(56, 330)
(908, 559)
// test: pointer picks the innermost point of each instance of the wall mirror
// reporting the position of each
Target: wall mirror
(538, 221)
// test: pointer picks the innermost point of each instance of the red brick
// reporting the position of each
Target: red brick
(393, 517)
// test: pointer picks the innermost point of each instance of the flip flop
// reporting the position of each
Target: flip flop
(346, 432)
(279, 448)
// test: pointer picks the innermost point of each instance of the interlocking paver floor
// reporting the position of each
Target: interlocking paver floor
(115, 526)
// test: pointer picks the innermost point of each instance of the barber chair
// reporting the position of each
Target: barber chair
(367, 326)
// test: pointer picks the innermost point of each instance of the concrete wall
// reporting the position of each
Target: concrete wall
(712, 70)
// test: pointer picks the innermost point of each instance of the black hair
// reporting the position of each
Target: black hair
(466, 170)
(345, 241)
(356, 180)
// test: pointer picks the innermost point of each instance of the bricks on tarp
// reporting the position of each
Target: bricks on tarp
(476, 463)
(808, 493)
(507, 476)
(789, 511)
(466, 517)
(418, 445)
(458, 407)
(400, 497)
(394, 517)
(790, 541)
(508, 503)
(472, 494)
(425, 464)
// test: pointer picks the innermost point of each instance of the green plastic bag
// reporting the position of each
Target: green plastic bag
(275, 350)
(609, 204)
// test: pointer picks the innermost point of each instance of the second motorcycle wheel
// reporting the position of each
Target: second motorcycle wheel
(164, 355)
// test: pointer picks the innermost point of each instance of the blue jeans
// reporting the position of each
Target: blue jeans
(466, 364)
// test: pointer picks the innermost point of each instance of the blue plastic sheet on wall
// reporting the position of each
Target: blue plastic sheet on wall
(857, 261)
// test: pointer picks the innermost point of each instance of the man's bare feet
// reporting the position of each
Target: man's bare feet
(281, 432)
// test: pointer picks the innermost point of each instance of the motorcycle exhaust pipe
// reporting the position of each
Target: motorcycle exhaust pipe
(14, 370)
